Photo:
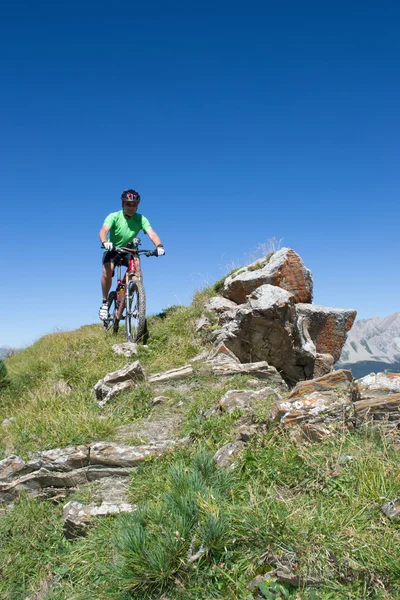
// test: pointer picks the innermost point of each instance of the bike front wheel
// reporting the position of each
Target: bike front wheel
(135, 311)
(112, 322)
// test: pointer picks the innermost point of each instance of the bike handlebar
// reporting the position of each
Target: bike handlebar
(122, 250)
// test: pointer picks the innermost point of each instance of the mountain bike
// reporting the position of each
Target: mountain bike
(128, 301)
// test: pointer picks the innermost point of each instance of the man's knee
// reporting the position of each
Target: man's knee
(108, 269)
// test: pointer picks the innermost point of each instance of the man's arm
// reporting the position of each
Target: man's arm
(153, 236)
(103, 233)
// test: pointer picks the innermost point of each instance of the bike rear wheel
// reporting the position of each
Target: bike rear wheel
(135, 311)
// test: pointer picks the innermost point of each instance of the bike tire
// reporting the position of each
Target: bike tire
(113, 322)
(136, 316)
(108, 323)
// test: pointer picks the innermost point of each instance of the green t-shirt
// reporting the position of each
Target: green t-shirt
(123, 230)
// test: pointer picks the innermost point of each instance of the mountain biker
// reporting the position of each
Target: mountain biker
(121, 227)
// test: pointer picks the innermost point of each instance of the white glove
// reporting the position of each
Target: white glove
(108, 246)
(160, 250)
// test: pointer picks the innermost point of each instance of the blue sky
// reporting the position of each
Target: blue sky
(237, 123)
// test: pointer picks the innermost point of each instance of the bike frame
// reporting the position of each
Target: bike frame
(133, 271)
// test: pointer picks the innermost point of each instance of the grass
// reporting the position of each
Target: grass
(200, 532)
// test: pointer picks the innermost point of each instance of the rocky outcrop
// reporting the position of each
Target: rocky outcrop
(273, 319)
(283, 269)
(51, 471)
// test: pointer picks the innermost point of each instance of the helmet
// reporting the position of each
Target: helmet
(130, 196)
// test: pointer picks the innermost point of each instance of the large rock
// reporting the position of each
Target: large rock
(379, 402)
(264, 329)
(284, 269)
(299, 340)
(327, 327)
(322, 401)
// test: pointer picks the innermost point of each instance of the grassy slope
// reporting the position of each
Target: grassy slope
(297, 504)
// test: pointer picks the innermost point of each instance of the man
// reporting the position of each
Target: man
(122, 226)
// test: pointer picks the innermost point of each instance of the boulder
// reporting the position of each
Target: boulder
(283, 269)
(264, 329)
(299, 340)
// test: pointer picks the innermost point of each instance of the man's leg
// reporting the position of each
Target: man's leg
(106, 279)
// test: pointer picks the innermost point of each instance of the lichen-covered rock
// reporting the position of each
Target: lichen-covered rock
(379, 400)
(327, 327)
(283, 269)
(323, 401)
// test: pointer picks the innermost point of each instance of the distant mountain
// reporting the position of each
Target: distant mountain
(6, 351)
(372, 345)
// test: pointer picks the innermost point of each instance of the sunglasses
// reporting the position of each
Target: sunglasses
(130, 202)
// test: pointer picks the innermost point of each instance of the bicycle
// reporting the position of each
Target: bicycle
(129, 294)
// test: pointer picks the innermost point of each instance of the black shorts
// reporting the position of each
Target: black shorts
(116, 259)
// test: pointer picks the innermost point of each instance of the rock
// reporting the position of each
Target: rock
(222, 355)
(327, 327)
(246, 432)
(392, 509)
(116, 381)
(172, 375)
(199, 357)
(51, 472)
(60, 459)
(7, 422)
(260, 369)
(323, 364)
(159, 400)
(309, 432)
(111, 454)
(274, 321)
(322, 401)
(201, 324)
(284, 269)
(225, 456)
(379, 400)
(11, 467)
(264, 329)
(218, 305)
(382, 382)
(78, 517)
(62, 388)
(126, 349)
(245, 399)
